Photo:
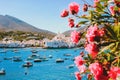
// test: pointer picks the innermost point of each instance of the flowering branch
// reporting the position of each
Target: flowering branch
(102, 62)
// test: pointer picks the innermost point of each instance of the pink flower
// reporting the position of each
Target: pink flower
(92, 49)
(79, 61)
(75, 36)
(112, 10)
(82, 68)
(101, 32)
(114, 72)
(96, 69)
(92, 32)
(77, 75)
(64, 13)
(74, 8)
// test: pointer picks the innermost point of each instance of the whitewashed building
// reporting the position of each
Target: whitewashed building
(59, 41)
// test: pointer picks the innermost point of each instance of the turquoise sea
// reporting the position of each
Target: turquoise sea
(45, 70)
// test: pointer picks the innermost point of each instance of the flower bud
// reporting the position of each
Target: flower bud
(71, 24)
(64, 13)
(85, 7)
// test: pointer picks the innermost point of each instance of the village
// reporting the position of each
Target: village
(58, 41)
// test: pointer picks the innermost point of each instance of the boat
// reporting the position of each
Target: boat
(67, 54)
(59, 60)
(37, 60)
(17, 58)
(45, 59)
(71, 66)
(27, 64)
(29, 58)
(34, 51)
(2, 71)
(8, 58)
(34, 55)
(66, 58)
(50, 56)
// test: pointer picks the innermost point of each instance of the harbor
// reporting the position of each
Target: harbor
(38, 64)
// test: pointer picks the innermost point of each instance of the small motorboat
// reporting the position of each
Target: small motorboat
(17, 58)
(66, 58)
(2, 71)
(29, 58)
(44, 58)
(37, 60)
(67, 54)
(27, 64)
(34, 51)
(7, 58)
(71, 66)
(59, 60)
(50, 56)
(34, 55)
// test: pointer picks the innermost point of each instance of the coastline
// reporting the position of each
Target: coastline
(45, 47)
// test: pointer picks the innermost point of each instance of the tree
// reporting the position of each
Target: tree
(102, 62)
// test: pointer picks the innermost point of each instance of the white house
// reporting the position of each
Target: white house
(59, 41)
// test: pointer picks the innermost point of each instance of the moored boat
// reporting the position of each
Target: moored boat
(50, 56)
(59, 60)
(34, 51)
(27, 64)
(37, 60)
(29, 58)
(7, 58)
(71, 66)
(34, 55)
(17, 58)
(2, 72)
(67, 54)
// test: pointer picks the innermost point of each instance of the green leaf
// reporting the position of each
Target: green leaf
(116, 30)
(82, 22)
(107, 47)
(115, 48)
(112, 32)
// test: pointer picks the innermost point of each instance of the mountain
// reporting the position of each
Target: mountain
(9, 23)
(67, 33)
(81, 29)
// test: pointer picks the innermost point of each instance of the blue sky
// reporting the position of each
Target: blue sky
(43, 14)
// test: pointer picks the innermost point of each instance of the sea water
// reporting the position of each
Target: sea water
(45, 70)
